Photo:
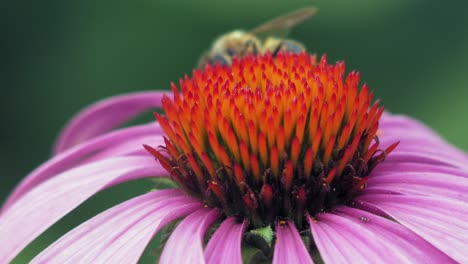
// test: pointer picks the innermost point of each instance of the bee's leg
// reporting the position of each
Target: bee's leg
(249, 43)
(231, 52)
(255, 48)
(289, 46)
(277, 49)
(221, 59)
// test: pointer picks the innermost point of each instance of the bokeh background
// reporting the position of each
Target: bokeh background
(64, 55)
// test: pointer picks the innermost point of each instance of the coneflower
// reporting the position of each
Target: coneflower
(286, 155)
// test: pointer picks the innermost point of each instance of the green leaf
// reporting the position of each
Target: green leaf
(266, 233)
(253, 255)
(261, 240)
(161, 183)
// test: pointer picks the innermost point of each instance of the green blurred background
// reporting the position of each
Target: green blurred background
(64, 55)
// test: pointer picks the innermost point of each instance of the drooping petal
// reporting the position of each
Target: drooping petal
(78, 154)
(389, 134)
(417, 142)
(121, 233)
(425, 184)
(390, 123)
(105, 115)
(354, 236)
(225, 245)
(418, 145)
(185, 245)
(42, 206)
(133, 147)
(389, 167)
(402, 156)
(441, 221)
(289, 247)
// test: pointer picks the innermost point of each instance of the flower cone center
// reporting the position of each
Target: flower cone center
(271, 138)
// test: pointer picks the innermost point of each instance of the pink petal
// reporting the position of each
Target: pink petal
(440, 221)
(441, 150)
(289, 247)
(105, 115)
(401, 167)
(225, 245)
(390, 122)
(402, 156)
(392, 133)
(121, 233)
(185, 245)
(133, 147)
(42, 206)
(426, 184)
(76, 155)
(353, 236)
(420, 144)
(415, 137)
(411, 137)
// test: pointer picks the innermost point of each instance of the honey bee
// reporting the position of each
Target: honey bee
(240, 43)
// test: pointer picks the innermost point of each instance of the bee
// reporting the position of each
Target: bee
(240, 43)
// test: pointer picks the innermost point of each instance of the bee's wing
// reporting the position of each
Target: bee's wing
(280, 26)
